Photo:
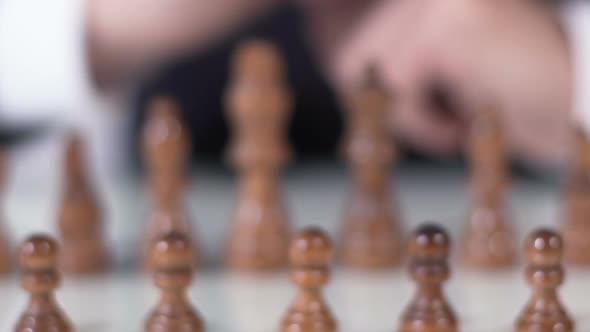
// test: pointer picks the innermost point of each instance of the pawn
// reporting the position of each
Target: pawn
(79, 217)
(429, 310)
(310, 254)
(259, 104)
(172, 259)
(38, 261)
(5, 255)
(544, 311)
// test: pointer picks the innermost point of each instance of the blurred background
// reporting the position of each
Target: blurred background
(93, 66)
(440, 61)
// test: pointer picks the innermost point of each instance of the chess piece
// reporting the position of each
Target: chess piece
(544, 273)
(79, 217)
(166, 151)
(429, 311)
(488, 241)
(5, 254)
(259, 104)
(310, 254)
(371, 237)
(172, 259)
(165, 141)
(40, 277)
(576, 202)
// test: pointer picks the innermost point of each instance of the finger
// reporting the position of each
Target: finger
(384, 26)
(416, 125)
(539, 138)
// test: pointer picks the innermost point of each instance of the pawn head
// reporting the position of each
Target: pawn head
(430, 240)
(311, 248)
(38, 252)
(544, 247)
(172, 250)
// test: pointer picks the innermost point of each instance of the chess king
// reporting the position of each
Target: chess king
(429, 310)
(38, 258)
(172, 258)
(310, 255)
(258, 103)
(544, 273)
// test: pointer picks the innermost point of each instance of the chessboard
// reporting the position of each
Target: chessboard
(315, 194)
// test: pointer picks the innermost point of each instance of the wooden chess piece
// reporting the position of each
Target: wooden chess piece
(371, 237)
(258, 103)
(40, 277)
(173, 263)
(79, 217)
(165, 141)
(5, 253)
(488, 241)
(576, 202)
(310, 254)
(429, 311)
(544, 311)
(166, 151)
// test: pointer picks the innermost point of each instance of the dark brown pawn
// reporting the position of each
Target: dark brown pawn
(258, 106)
(310, 255)
(5, 254)
(544, 311)
(79, 217)
(488, 241)
(371, 237)
(576, 202)
(38, 262)
(166, 152)
(429, 310)
(172, 259)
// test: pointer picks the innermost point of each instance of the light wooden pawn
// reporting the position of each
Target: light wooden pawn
(544, 311)
(40, 277)
(172, 260)
(310, 254)
(429, 310)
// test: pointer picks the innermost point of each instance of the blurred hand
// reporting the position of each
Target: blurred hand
(506, 53)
